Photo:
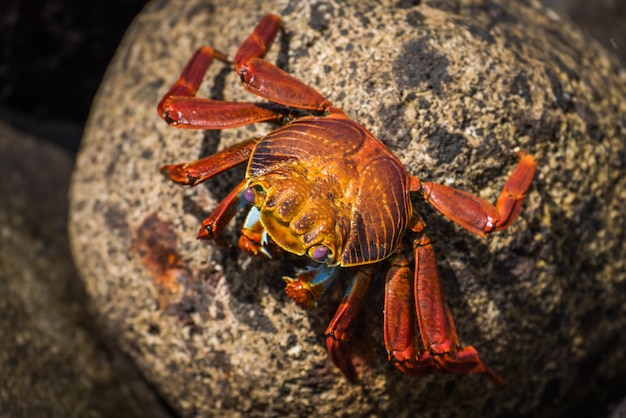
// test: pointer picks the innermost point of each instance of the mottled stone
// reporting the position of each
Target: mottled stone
(453, 88)
(53, 361)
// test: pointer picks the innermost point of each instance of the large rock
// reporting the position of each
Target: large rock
(53, 360)
(453, 89)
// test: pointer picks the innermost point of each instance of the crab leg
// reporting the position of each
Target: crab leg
(198, 171)
(435, 322)
(476, 214)
(224, 212)
(338, 329)
(436, 325)
(264, 79)
(399, 325)
(179, 107)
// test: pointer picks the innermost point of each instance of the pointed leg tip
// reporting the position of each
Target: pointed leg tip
(206, 232)
(165, 169)
(495, 378)
(179, 173)
(341, 358)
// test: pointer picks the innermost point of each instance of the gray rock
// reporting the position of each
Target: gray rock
(453, 89)
(53, 362)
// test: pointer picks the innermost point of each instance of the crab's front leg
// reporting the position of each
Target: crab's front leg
(223, 213)
(198, 171)
(310, 284)
(203, 169)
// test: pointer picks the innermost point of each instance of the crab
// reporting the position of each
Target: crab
(322, 186)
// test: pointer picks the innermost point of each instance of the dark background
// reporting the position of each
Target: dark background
(54, 53)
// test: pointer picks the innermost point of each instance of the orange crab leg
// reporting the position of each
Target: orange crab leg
(179, 107)
(476, 214)
(399, 325)
(270, 82)
(223, 213)
(436, 325)
(264, 79)
(259, 42)
(199, 113)
(198, 171)
(338, 329)
(433, 314)
(191, 76)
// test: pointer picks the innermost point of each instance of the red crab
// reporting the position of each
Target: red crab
(321, 185)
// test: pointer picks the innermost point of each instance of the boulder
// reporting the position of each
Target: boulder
(53, 360)
(453, 89)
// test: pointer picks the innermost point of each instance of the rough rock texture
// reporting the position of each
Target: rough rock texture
(605, 21)
(453, 88)
(52, 362)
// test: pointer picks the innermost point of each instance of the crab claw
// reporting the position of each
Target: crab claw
(254, 239)
(309, 284)
(300, 291)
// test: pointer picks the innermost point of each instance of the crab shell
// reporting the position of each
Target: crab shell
(328, 181)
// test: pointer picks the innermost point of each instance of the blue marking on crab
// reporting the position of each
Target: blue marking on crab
(254, 216)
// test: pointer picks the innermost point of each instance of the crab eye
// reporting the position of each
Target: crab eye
(320, 253)
(249, 194)
(254, 195)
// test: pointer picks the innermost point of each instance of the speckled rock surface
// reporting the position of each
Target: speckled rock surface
(452, 88)
(53, 362)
